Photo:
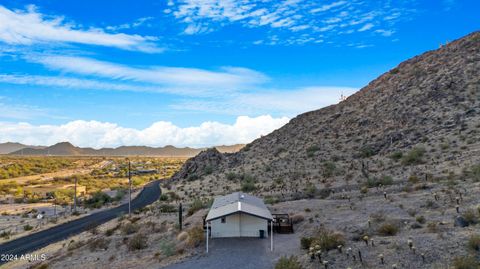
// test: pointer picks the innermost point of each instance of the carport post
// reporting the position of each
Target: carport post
(206, 234)
(271, 235)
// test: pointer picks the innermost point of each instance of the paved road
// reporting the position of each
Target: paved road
(29, 243)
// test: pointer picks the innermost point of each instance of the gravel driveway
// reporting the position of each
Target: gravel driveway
(245, 253)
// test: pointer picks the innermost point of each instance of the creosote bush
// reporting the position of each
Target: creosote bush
(129, 228)
(137, 242)
(288, 263)
(195, 236)
(470, 217)
(474, 242)
(415, 156)
(98, 244)
(466, 262)
(325, 239)
(387, 229)
(196, 205)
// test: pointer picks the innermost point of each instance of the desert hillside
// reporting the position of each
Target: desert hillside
(429, 105)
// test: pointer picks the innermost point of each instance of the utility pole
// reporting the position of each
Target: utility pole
(129, 190)
(55, 207)
(75, 197)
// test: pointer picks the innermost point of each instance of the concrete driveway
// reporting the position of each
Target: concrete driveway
(245, 253)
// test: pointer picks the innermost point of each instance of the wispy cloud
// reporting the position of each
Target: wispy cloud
(227, 78)
(21, 112)
(328, 6)
(104, 134)
(144, 21)
(366, 27)
(282, 102)
(28, 27)
(291, 17)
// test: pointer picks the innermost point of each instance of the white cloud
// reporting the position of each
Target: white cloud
(366, 27)
(329, 6)
(385, 32)
(30, 27)
(137, 23)
(227, 78)
(103, 134)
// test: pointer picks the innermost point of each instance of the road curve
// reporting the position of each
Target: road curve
(30, 243)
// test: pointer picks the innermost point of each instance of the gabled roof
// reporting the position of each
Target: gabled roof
(238, 202)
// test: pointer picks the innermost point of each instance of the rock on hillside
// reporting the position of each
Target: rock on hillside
(431, 101)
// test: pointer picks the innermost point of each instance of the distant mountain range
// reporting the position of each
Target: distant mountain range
(67, 149)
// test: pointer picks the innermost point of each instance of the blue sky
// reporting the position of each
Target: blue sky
(198, 72)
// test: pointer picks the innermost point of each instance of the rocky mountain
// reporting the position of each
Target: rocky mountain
(9, 147)
(67, 149)
(429, 105)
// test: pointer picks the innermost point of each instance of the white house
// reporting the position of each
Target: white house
(238, 215)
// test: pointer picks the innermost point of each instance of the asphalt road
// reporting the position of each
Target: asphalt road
(29, 243)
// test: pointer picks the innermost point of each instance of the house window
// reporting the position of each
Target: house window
(223, 220)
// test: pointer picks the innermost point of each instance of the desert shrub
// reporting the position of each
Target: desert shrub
(182, 236)
(192, 177)
(306, 242)
(474, 242)
(387, 229)
(75, 244)
(329, 169)
(475, 172)
(129, 228)
(111, 231)
(396, 155)
(5, 234)
(288, 263)
(432, 227)
(167, 248)
(326, 239)
(231, 176)
(27, 227)
(297, 218)
(414, 156)
(97, 200)
(470, 217)
(208, 170)
(420, 219)
(270, 200)
(311, 150)
(248, 186)
(196, 205)
(98, 243)
(465, 262)
(167, 208)
(364, 190)
(138, 241)
(367, 151)
(195, 236)
(375, 182)
(310, 190)
(413, 179)
(163, 197)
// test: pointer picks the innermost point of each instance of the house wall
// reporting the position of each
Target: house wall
(239, 225)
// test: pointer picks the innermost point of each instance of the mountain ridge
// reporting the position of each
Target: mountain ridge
(67, 149)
